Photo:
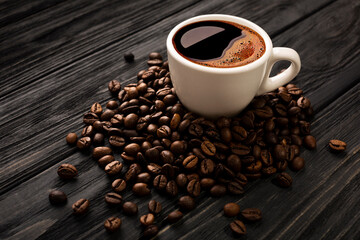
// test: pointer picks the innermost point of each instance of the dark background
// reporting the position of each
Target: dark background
(56, 58)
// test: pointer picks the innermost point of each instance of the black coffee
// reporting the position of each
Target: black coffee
(219, 44)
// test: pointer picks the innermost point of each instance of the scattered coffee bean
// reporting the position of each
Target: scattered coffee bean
(218, 190)
(337, 145)
(129, 57)
(310, 142)
(83, 143)
(114, 86)
(147, 219)
(284, 180)
(187, 203)
(113, 199)
(118, 185)
(251, 214)
(297, 164)
(130, 208)
(154, 207)
(81, 206)
(151, 231)
(99, 152)
(112, 224)
(238, 227)
(67, 171)
(174, 216)
(71, 138)
(231, 209)
(141, 189)
(57, 197)
(113, 168)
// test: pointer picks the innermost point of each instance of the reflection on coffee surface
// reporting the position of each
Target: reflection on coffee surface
(219, 44)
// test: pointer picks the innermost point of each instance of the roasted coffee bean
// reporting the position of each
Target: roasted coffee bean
(113, 168)
(141, 189)
(112, 224)
(130, 208)
(303, 102)
(113, 199)
(80, 206)
(90, 118)
(196, 130)
(168, 170)
(218, 190)
(132, 149)
(239, 149)
(172, 188)
(114, 86)
(153, 168)
(268, 171)
(194, 188)
(225, 134)
(67, 171)
(116, 141)
(183, 126)
(147, 219)
(105, 160)
(96, 108)
(304, 127)
(99, 152)
(150, 231)
(254, 167)
(177, 147)
(207, 183)
(231, 209)
(107, 115)
(144, 178)
(235, 188)
(284, 180)
(117, 120)
(87, 131)
(83, 143)
(295, 91)
(207, 167)
(310, 142)
(163, 131)
(131, 120)
(174, 216)
(279, 153)
(223, 122)
(281, 165)
(266, 157)
(186, 203)
(181, 180)
(71, 138)
(294, 111)
(160, 182)
(112, 104)
(337, 145)
(296, 139)
(175, 121)
(154, 207)
(238, 133)
(98, 139)
(118, 185)
(208, 148)
(238, 227)
(264, 113)
(155, 55)
(297, 164)
(129, 57)
(167, 156)
(251, 214)
(190, 162)
(234, 162)
(57, 197)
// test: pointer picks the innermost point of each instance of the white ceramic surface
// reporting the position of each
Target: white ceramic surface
(214, 92)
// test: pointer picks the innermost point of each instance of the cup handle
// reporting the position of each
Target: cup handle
(280, 53)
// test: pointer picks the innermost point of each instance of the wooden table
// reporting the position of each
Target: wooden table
(56, 58)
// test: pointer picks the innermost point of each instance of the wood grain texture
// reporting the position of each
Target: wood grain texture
(64, 67)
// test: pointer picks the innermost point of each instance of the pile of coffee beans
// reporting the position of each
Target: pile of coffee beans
(165, 147)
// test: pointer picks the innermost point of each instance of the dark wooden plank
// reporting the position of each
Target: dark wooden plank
(312, 209)
(72, 31)
(85, 79)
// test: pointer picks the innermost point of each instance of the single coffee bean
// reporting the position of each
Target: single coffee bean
(105, 160)
(118, 185)
(129, 57)
(71, 138)
(113, 199)
(117, 120)
(297, 163)
(155, 55)
(80, 206)
(90, 118)
(235, 188)
(114, 86)
(284, 180)
(268, 171)
(193, 188)
(151, 231)
(57, 197)
(264, 113)
(163, 131)
(83, 143)
(241, 179)
(107, 115)
(177, 147)
(238, 133)
(208, 148)
(112, 224)
(239, 149)
(154, 207)
(116, 141)
(181, 180)
(172, 188)
(190, 162)
(99, 152)
(186, 203)
(234, 162)
(160, 182)
(174, 216)
(231, 209)
(218, 190)
(98, 139)
(131, 120)
(144, 178)
(225, 134)
(207, 166)
(147, 219)
(175, 121)
(251, 214)
(238, 227)
(141, 189)
(303, 102)
(254, 167)
(337, 145)
(113, 168)
(132, 149)
(130, 208)
(87, 131)
(310, 142)
(96, 108)
(153, 168)
(279, 153)
(67, 171)
(266, 157)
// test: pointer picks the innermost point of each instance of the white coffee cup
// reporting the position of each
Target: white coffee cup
(213, 92)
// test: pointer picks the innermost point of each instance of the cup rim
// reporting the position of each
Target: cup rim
(172, 51)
